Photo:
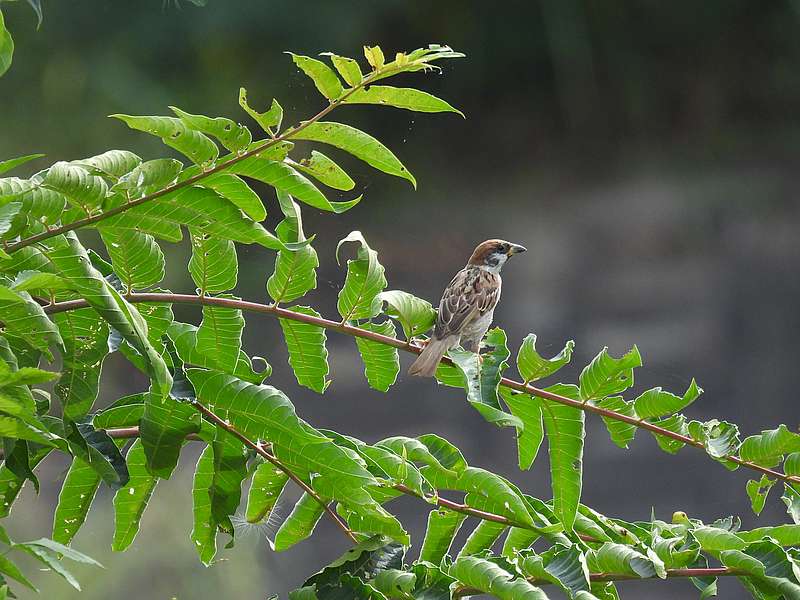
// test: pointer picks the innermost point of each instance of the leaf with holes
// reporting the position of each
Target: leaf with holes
(233, 136)
(532, 366)
(606, 375)
(267, 484)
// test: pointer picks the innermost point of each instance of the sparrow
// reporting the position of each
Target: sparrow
(467, 305)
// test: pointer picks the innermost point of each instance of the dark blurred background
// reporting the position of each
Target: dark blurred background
(645, 152)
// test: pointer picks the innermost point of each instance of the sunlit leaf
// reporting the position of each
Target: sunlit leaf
(325, 171)
(358, 298)
(267, 120)
(24, 318)
(267, 483)
(757, 491)
(657, 403)
(487, 576)
(381, 362)
(483, 537)
(622, 433)
(299, 524)
(238, 192)
(74, 500)
(607, 375)
(204, 530)
(81, 188)
(137, 257)
(528, 409)
(175, 134)
(308, 355)
(768, 447)
(321, 74)
(131, 500)
(112, 163)
(347, 67)
(532, 366)
(295, 270)
(6, 47)
(13, 163)
(233, 136)
(407, 98)
(416, 316)
(213, 266)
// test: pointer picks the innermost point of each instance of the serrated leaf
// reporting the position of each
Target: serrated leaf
(268, 120)
(488, 577)
(416, 316)
(13, 163)
(768, 447)
(267, 484)
(532, 366)
(131, 500)
(194, 207)
(321, 74)
(81, 188)
(233, 136)
(204, 530)
(295, 270)
(175, 134)
(528, 409)
(85, 348)
(299, 524)
(112, 163)
(213, 265)
(657, 403)
(347, 67)
(74, 500)
(264, 413)
(565, 434)
(184, 337)
(358, 298)
(325, 171)
(24, 318)
(308, 355)
(137, 257)
(757, 491)
(482, 538)
(149, 177)
(381, 362)
(356, 142)
(622, 433)
(406, 98)
(607, 375)
(238, 192)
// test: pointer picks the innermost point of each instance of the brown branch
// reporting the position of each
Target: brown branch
(211, 416)
(605, 577)
(54, 231)
(351, 330)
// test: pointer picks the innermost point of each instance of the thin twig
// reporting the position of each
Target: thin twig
(211, 416)
(402, 345)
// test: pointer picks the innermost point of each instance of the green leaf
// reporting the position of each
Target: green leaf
(299, 524)
(532, 366)
(11, 484)
(184, 336)
(238, 192)
(607, 375)
(131, 500)
(480, 377)
(429, 449)
(416, 316)
(675, 424)
(175, 134)
(149, 177)
(194, 207)
(267, 120)
(395, 583)
(13, 163)
(528, 409)
(482, 538)
(714, 539)
(220, 336)
(658, 403)
(758, 491)
(619, 558)
(490, 578)
(204, 531)
(374, 56)
(267, 484)
(325, 171)
(8, 568)
(19, 429)
(720, 439)
(564, 566)
(767, 448)
(358, 298)
(622, 433)
(85, 349)
(347, 67)
(264, 413)
(137, 257)
(99, 451)
(74, 500)
(785, 535)
(213, 265)
(27, 281)
(165, 424)
(230, 469)
(81, 188)
(233, 136)
(112, 163)
(295, 270)
(381, 362)
(371, 518)
(565, 434)
(321, 74)
(51, 561)
(407, 98)
(308, 355)
(518, 539)
(366, 558)
(6, 47)
(356, 142)
(24, 318)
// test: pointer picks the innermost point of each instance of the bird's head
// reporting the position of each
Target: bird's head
(492, 254)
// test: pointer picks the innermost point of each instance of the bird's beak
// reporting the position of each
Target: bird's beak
(516, 249)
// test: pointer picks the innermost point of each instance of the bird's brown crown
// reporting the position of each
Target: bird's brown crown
(486, 249)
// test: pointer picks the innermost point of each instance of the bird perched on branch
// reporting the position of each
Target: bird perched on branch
(467, 306)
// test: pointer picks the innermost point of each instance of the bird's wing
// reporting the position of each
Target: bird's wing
(471, 293)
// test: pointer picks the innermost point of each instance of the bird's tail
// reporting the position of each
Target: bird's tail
(428, 360)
